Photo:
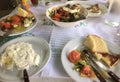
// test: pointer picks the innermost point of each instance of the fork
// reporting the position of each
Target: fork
(100, 65)
(99, 76)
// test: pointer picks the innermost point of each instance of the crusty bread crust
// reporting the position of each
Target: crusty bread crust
(96, 45)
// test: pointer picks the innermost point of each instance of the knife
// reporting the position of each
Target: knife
(25, 76)
(110, 73)
(99, 76)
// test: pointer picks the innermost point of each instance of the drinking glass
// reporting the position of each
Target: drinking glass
(38, 2)
(34, 2)
(113, 21)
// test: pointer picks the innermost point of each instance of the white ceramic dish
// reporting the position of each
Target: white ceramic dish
(78, 44)
(86, 4)
(64, 24)
(23, 31)
(40, 46)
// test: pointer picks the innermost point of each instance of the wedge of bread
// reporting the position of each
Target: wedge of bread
(96, 45)
(22, 12)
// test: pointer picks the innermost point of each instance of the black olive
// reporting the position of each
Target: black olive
(73, 6)
(33, 19)
(60, 10)
(3, 28)
(71, 17)
(68, 5)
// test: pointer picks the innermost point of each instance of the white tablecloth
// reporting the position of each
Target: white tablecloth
(58, 37)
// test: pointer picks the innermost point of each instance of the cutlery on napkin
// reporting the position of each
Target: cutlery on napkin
(100, 65)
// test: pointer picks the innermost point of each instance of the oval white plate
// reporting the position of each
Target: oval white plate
(23, 31)
(86, 4)
(78, 44)
(40, 46)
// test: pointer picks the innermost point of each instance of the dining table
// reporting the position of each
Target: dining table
(58, 37)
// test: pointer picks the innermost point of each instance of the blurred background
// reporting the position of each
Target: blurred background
(6, 6)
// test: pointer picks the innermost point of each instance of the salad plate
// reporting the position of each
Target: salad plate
(40, 46)
(77, 43)
(67, 15)
(21, 28)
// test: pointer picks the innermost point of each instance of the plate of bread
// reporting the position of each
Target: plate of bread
(102, 50)
(17, 22)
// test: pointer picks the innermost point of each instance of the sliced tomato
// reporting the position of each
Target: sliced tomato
(21, 18)
(56, 15)
(7, 25)
(87, 71)
(14, 23)
(2, 23)
(15, 18)
(74, 56)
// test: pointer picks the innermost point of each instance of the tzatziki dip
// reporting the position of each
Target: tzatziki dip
(21, 54)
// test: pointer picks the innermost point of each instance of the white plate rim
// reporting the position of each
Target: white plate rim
(74, 75)
(66, 24)
(34, 38)
(24, 31)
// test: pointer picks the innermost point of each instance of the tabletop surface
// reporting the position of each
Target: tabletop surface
(57, 37)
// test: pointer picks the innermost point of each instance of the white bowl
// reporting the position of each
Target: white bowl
(64, 24)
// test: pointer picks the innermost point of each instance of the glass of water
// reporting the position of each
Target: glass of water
(113, 21)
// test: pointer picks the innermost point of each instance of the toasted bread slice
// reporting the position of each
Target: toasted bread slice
(22, 12)
(96, 45)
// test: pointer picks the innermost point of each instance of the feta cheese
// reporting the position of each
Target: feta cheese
(27, 22)
(70, 10)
